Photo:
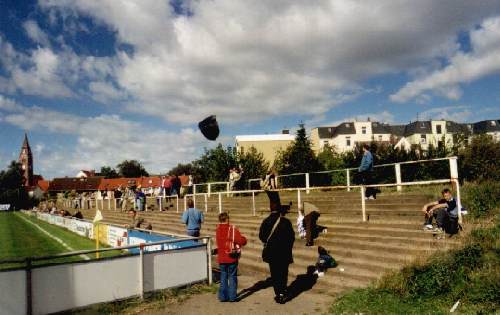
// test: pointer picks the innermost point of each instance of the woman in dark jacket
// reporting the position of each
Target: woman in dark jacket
(278, 238)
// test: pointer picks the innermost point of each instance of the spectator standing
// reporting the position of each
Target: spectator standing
(176, 186)
(276, 232)
(366, 172)
(140, 199)
(229, 243)
(192, 218)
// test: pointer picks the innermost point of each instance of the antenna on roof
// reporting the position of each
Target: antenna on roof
(417, 115)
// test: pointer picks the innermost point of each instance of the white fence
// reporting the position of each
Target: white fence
(54, 288)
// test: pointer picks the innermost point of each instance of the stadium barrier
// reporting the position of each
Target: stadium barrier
(152, 263)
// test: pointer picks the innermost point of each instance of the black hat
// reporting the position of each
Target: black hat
(209, 127)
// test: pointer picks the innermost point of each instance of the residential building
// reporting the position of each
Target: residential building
(346, 135)
(268, 145)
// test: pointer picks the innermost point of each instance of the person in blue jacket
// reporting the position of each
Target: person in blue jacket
(192, 218)
(366, 172)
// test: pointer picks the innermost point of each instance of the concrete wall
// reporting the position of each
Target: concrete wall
(74, 285)
(13, 292)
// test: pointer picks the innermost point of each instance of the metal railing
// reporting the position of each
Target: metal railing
(399, 184)
(348, 172)
(453, 167)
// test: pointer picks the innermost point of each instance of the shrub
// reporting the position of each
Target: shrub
(481, 199)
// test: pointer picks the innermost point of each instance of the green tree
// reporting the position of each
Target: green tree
(297, 158)
(109, 172)
(183, 169)
(331, 160)
(12, 190)
(214, 164)
(254, 166)
(131, 168)
(479, 160)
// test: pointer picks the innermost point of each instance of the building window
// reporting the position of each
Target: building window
(363, 130)
(380, 138)
(423, 139)
(347, 125)
(348, 141)
(438, 129)
(493, 123)
(325, 143)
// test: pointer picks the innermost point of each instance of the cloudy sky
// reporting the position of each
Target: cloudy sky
(94, 82)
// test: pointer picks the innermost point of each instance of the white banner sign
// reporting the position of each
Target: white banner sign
(117, 236)
(4, 207)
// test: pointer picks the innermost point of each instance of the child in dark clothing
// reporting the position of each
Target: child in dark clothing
(324, 261)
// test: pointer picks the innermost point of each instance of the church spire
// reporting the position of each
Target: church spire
(26, 160)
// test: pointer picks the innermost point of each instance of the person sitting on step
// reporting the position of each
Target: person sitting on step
(445, 211)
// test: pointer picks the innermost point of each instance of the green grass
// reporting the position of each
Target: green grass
(20, 239)
(470, 274)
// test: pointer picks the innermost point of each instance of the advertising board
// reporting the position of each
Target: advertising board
(139, 237)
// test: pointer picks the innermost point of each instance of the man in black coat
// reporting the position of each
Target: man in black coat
(278, 247)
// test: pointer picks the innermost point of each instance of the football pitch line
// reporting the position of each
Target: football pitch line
(57, 239)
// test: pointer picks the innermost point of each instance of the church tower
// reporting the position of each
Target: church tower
(26, 160)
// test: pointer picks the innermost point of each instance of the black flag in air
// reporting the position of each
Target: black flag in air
(209, 127)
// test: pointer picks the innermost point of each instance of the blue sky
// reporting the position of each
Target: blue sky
(94, 82)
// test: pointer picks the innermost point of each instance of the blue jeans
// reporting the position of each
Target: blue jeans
(228, 282)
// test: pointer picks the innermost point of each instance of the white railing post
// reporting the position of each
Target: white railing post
(141, 271)
(194, 190)
(227, 189)
(307, 183)
(177, 203)
(397, 168)
(459, 202)
(109, 204)
(206, 203)
(185, 204)
(298, 199)
(220, 202)
(194, 201)
(209, 261)
(160, 202)
(348, 178)
(253, 202)
(453, 168)
(209, 189)
(363, 204)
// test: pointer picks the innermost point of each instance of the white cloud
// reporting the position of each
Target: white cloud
(35, 33)
(460, 113)
(483, 60)
(250, 60)
(101, 140)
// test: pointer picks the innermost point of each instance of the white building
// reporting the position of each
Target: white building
(345, 136)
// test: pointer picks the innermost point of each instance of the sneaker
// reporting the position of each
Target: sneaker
(371, 198)
(280, 299)
(321, 274)
(428, 227)
(438, 230)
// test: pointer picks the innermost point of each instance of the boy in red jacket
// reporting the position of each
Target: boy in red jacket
(229, 242)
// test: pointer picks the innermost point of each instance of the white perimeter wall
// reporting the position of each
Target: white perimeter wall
(67, 286)
(13, 292)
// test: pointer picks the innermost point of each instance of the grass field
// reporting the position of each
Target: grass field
(19, 239)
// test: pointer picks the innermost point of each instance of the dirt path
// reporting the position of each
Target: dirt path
(257, 299)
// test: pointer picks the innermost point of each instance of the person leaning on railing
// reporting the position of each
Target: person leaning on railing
(366, 172)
